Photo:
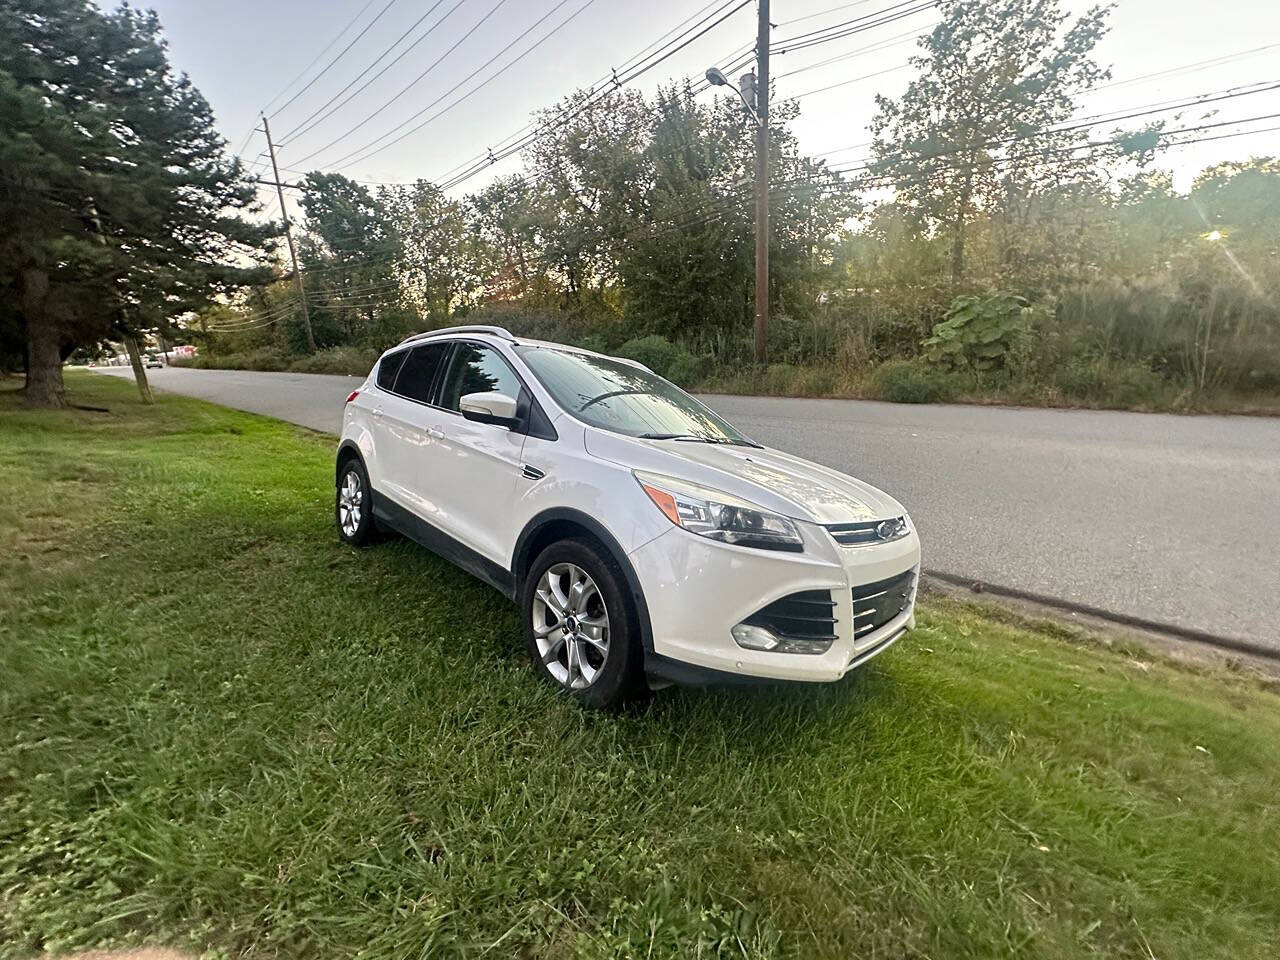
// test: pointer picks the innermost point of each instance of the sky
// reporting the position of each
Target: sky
(282, 56)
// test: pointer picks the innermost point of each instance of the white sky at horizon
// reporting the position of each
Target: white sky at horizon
(241, 54)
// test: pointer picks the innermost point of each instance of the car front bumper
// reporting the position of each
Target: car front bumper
(698, 589)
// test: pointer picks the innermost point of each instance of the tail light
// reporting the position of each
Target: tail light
(352, 395)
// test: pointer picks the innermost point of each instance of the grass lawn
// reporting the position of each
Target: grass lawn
(221, 730)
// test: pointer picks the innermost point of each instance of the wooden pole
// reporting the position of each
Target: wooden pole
(288, 235)
(762, 185)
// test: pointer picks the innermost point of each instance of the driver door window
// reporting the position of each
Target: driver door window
(477, 369)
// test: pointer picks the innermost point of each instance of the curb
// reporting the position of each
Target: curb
(1234, 644)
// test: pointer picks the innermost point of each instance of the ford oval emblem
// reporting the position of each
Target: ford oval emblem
(888, 529)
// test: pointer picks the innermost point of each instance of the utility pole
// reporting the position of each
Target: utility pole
(288, 235)
(762, 184)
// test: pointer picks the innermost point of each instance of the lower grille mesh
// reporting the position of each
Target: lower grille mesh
(807, 615)
(875, 604)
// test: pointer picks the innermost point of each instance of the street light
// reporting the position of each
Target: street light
(747, 82)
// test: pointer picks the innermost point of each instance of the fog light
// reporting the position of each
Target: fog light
(753, 637)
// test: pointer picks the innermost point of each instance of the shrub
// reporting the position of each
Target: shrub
(1112, 383)
(663, 357)
(353, 360)
(979, 332)
(264, 358)
(906, 381)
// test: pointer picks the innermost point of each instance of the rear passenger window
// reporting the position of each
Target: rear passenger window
(419, 371)
(388, 369)
(478, 369)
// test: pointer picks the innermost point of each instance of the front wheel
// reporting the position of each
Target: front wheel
(580, 626)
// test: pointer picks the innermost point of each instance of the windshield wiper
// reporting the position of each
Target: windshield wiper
(610, 395)
(696, 437)
(674, 436)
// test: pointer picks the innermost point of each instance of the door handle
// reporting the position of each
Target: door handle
(436, 433)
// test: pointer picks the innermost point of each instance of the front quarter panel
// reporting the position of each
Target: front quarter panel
(605, 491)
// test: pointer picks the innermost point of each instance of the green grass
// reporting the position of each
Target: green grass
(221, 730)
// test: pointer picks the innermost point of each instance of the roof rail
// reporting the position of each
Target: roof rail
(502, 332)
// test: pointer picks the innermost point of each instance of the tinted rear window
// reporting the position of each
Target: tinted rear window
(419, 371)
(389, 367)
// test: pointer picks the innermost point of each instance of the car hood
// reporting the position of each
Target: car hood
(777, 481)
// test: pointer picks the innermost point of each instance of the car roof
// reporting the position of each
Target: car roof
(501, 334)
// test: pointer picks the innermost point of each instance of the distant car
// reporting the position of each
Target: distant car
(640, 533)
(153, 362)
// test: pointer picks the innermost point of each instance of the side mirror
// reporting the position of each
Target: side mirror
(495, 408)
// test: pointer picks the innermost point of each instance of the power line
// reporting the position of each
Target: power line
(305, 125)
(624, 66)
(822, 13)
(877, 18)
(914, 34)
(1190, 67)
(341, 53)
(435, 63)
(346, 160)
(254, 125)
(845, 83)
(316, 59)
(594, 97)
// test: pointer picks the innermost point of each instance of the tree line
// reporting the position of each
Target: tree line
(992, 239)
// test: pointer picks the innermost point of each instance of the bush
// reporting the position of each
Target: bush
(264, 358)
(905, 381)
(353, 360)
(664, 358)
(980, 332)
(1112, 384)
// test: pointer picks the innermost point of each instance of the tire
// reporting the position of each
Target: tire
(600, 610)
(354, 497)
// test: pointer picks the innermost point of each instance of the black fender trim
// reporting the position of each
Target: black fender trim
(343, 447)
(690, 675)
(521, 560)
(405, 522)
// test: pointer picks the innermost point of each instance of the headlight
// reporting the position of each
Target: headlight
(720, 516)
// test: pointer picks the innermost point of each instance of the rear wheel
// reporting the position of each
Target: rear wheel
(580, 626)
(353, 507)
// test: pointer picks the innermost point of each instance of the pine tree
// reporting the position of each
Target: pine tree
(122, 208)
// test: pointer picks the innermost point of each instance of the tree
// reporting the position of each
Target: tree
(125, 210)
(504, 220)
(996, 77)
(687, 267)
(438, 262)
(349, 254)
(589, 159)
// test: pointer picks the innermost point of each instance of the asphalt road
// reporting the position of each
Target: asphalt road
(1173, 519)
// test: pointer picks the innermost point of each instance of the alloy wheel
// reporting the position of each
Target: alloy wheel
(570, 625)
(350, 503)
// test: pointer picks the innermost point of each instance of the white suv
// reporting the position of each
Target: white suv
(644, 538)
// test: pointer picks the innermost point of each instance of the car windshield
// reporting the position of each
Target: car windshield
(623, 398)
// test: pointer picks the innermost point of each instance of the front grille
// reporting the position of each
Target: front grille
(860, 534)
(875, 604)
(804, 622)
